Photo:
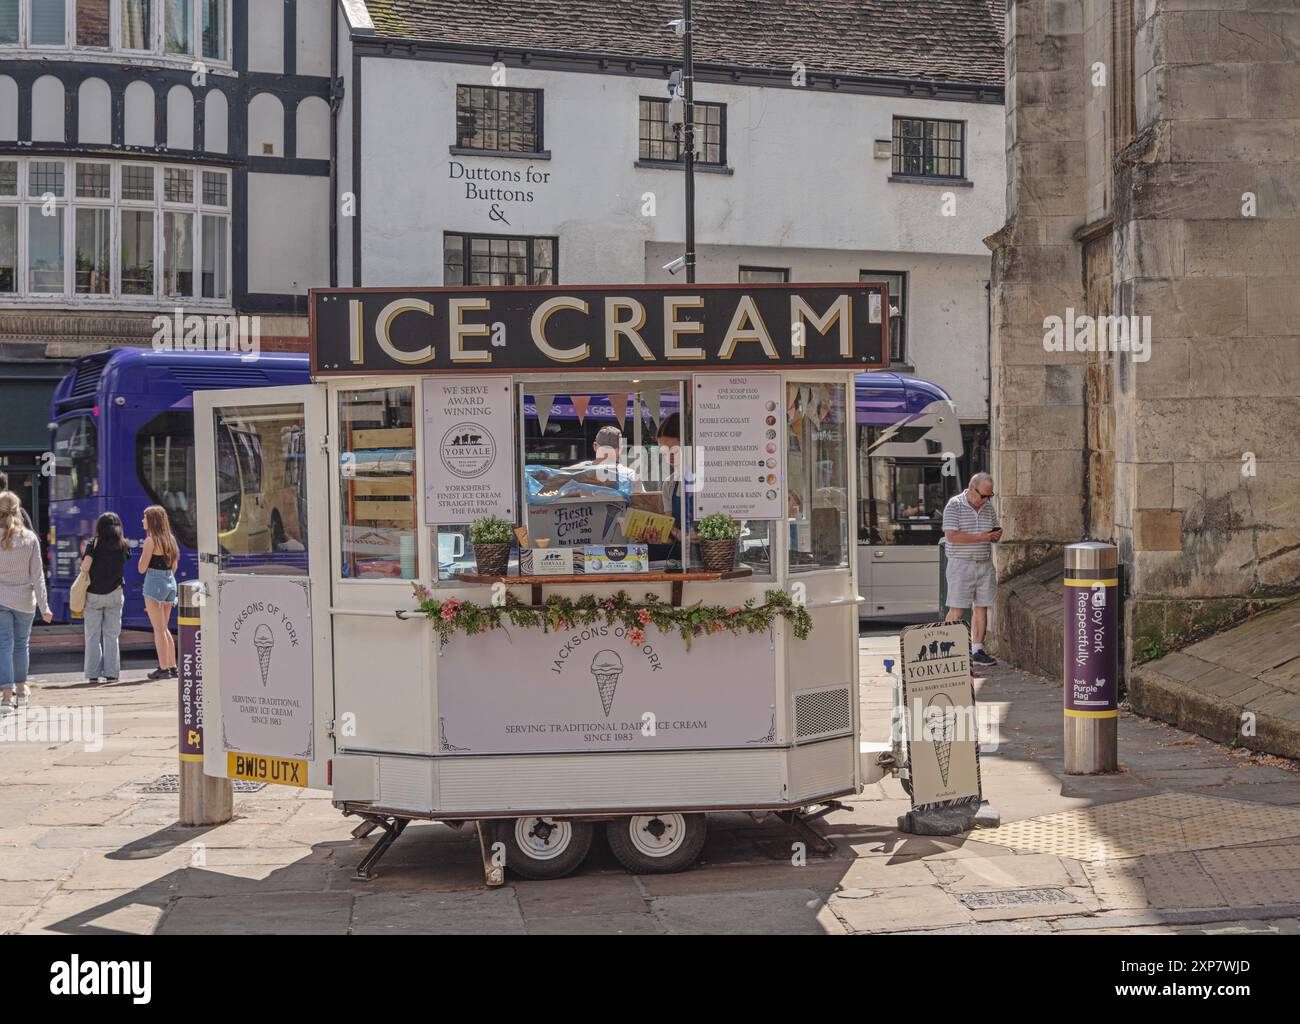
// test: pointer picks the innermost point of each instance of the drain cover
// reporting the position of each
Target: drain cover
(1013, 898)
(172, 784)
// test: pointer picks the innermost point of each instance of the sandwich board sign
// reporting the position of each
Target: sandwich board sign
(939, 714)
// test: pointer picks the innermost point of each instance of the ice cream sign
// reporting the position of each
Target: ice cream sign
(603, 687)
(939, 713)
(265, 665)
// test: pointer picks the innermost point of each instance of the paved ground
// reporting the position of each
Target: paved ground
(1192, 836)
(1243, 683)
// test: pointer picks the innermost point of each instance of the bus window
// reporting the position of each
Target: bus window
(76, 459)
(261, 499)
(817, 476)
(901, 500)
(377, 480)
(164, 464)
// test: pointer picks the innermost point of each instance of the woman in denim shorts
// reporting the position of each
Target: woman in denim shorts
(158, 560)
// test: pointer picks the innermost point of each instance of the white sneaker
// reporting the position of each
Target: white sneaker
(22, 699)
(7, 702)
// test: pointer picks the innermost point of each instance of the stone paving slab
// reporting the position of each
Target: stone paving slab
(283, 913)
(759, 912)
(1207, 686)
(488, 912)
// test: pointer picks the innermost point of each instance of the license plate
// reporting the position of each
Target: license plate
(281, 771)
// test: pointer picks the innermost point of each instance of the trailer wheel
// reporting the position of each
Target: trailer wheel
(657, 843)
(543, 847)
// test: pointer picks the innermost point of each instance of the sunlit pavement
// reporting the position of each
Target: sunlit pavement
(84, 851)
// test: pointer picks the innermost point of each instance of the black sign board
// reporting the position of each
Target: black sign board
(606, 327)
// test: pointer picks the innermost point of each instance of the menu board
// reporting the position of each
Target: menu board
(738, 423)
(469, 450)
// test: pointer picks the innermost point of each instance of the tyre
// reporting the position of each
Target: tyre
(657, 844)
(543, 847)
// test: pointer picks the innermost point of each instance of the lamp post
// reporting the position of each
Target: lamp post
(688, 85)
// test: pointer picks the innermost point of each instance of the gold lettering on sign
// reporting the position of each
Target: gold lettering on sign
(384, 325)
(456, 309)
(840, 311)
(356, 332)
(747, 313)
(542, 314)
(673, 327)
(629, 328)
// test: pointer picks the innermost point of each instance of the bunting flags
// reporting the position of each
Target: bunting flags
(545, 400)
(619, 405)
(652, 404)
(580, 403)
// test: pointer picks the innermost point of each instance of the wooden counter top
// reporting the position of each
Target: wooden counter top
(631, 578)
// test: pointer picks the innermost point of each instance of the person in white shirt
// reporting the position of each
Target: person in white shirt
(22, 594)
(970, 525)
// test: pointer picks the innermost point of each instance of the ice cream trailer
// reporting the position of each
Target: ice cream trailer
(370, 650)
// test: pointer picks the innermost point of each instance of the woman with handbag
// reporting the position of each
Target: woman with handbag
(22, 593)
(104, 565)
(159, 556)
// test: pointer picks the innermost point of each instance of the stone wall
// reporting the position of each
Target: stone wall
(1207, 210)
(1172, 192)
(1038, 428)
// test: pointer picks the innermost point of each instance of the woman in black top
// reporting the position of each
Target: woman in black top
(105, 562)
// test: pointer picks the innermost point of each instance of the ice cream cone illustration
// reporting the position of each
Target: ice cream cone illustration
(941, 723)
(264, 640)
(612, 511)
(606, 667)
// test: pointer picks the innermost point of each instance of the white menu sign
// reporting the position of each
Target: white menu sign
(469, 450)
(738, 423)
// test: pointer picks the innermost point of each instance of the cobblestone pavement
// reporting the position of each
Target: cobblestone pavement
(84, 850)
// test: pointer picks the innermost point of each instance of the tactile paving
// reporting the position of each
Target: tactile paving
(1165, 823)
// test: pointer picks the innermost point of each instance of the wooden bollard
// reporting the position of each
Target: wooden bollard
(205, 800)
(1091, 658)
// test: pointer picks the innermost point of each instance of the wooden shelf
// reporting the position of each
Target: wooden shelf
(677, 579)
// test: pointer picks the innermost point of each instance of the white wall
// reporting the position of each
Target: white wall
(806, 193)
(946, 338)
(288, 233)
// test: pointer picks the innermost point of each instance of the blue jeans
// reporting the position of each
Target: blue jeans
(103, 623)
(15, 652)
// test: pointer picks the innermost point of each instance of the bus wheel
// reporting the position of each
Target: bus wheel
(543, 847)
(656, 844)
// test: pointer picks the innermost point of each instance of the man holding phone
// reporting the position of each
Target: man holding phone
(970, 525)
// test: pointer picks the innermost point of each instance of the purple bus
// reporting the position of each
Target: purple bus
(122, 427)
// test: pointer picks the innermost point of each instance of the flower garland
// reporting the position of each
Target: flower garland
(452, 615)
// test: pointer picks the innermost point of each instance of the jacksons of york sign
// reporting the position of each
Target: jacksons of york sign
(422, 330)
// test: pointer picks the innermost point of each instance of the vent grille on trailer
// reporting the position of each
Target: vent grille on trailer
(822, 713)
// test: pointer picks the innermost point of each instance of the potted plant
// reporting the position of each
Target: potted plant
(491, 537)
(718, 534)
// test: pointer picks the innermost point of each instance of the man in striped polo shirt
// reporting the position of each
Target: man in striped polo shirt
(970, 524)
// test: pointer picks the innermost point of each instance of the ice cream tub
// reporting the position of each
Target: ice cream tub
(610, 558)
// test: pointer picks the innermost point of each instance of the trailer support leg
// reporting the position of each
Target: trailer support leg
(493, 874)
(393, 827)
(801, 822)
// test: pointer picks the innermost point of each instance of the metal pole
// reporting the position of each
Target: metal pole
(204, 800)
(688, 82)
(1091, 658)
